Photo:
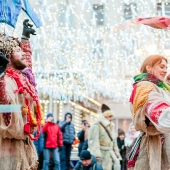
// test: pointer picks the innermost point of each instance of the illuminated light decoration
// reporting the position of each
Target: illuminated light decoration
(61, 110)
(44, 110)
(76, 59)
(83, 109)
(92, 100)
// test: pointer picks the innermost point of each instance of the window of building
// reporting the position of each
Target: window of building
(98, 48)
(163, 8)
(129, 11)
(99, 9)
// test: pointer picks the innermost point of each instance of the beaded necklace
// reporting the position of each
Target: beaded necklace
(28, 87)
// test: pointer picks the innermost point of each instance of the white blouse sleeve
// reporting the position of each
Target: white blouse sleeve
(159, 115)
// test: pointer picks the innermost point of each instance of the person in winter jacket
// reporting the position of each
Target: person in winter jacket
(53, 142)
(39, 145)
(85, 145)
(131, 135)
(87, 162)
(68, 130)
(122, 148)
(83, 135)
(102, 142)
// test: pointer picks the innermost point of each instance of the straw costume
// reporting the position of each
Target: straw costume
(17, 151)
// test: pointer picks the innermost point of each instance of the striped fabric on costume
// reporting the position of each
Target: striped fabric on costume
(132, 156)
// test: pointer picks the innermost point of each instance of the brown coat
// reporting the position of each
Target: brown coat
(152, 154)
(17, 151)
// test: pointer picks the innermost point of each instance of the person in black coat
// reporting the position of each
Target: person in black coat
(122, 148)
(85, 145)
(81, 135)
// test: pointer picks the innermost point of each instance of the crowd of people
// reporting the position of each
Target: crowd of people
(99, 145)
(55, 143)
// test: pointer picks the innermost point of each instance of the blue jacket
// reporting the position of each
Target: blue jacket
(93, 164)
(39, 144)
(67, 130)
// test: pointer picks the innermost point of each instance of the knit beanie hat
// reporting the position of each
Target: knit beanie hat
(49, 114)
(104, 108)
(108, 113)
(85, 155)
(120, 132)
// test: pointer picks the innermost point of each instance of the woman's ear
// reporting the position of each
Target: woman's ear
(149, 69)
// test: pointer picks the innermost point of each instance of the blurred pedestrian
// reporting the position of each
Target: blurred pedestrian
(131, 135)
(83, 135)
(122, 149)
(87, 162)
(39, 145)
(85, 145)
(102, 141)
(53, 142)
(68, 130)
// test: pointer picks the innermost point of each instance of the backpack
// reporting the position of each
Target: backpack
(94, 167)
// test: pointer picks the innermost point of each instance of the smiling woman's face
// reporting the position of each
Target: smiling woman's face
(159, 70)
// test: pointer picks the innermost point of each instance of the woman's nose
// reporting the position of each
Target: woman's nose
(165, 70)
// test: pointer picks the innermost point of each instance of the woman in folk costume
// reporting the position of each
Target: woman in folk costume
(102, 142)
(17, 86)
(150, 106)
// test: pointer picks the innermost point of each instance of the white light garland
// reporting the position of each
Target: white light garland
(74, 59)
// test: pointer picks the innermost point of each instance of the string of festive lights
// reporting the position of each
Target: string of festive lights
(82, 52)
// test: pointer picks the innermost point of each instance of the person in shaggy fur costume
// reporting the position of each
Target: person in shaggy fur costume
(18, 87)
(102, 142)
